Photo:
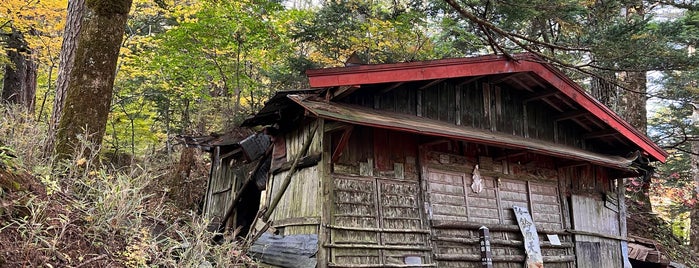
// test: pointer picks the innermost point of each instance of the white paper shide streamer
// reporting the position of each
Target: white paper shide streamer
(477, 185)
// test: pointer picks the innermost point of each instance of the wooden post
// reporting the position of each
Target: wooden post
(623, 232)
(327, 197)
(486, 254)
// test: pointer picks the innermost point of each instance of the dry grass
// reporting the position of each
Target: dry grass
(81, 213)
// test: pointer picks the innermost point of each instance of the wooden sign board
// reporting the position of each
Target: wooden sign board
(531, 238)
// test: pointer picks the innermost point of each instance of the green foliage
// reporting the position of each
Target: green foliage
(6, 155)
(208, 70)
(89, 209)
(380, 32)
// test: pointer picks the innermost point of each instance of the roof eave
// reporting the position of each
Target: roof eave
(483, 65)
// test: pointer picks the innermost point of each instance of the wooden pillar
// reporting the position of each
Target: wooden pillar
(621, 196)
(486, 254)
(326, 195)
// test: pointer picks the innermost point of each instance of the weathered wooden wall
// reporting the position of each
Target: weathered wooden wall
(224, 181)
(456, 212)
(299, 209)
(401, 199)
(376, 214)
(595, 216)
(591, 215)
(477, 104)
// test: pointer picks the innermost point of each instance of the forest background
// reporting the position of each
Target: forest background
(195, 67)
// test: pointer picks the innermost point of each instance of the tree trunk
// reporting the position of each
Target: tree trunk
(604, 91)
(19, 82)
(632, 103)
(694, 213)
(67, 57)
(91, 80)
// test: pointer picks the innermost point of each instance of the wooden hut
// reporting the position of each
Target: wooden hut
(405, 162)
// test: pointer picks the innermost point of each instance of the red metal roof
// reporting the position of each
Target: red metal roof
(478, 66)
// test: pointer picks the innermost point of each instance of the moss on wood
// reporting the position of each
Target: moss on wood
(91, 81)
(109, 7)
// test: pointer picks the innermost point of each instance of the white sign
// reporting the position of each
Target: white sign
(553, 238)
(531, 238)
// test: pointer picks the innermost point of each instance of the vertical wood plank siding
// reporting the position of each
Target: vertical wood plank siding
(302, 198)
(224, 182)
(480, 105)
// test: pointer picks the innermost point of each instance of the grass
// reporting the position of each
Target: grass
(86, 213)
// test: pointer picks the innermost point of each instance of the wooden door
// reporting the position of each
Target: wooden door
(591, 215)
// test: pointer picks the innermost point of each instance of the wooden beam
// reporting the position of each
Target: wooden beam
(326, 195)
(239, 194)
(385, 265)
(434, 82)
(504, 78)
(501, 258)
(583, 125)
(600, 134)
(521, 84)
(335, 126)
(599, 235)
(342, 144)
(304, 162)
(621, 140)
(528, 75)
(510, 155)
(344, 91)
(469, 80)
(500, 242)
(302, 221)
(565, 100)
(391, 87)
(571, 115)
(292, 170)
(379, 230)
(471, 225)
(374, 246)
(595, 121)
(514, 78)
(553, 105)
(540, 96)
(224, 156)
